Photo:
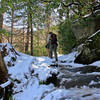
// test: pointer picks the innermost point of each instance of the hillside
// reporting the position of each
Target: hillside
(39, 78)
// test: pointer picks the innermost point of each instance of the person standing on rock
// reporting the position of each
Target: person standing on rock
(52, 45)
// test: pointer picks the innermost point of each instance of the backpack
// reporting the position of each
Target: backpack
(53, 39)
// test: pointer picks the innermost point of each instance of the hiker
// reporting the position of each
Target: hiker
(48, 40)
(52, 45)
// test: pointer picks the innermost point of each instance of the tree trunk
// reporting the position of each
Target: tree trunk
(3, 70)
(1, 22)
(48, 22)
(31, 34)
(68, 13)
(23, 37)
(12, 25)
(27, 35)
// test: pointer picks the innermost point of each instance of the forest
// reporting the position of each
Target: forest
(25, 24)
(27, 69)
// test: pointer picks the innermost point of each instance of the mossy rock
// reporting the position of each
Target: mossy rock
(90, 51)
(94, 41)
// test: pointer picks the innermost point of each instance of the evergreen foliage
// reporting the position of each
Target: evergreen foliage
(42, 14)
(66, 37)
(5, 32)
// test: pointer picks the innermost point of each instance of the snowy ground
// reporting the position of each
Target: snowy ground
(30, 85)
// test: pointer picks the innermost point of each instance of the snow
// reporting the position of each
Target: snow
(30, 87)
(5, 84)
(94, 34)
(56, 95)
(97, 10)
(98, 0)
(87, 15)
(97, 63)
(22, 66)
(70, 59)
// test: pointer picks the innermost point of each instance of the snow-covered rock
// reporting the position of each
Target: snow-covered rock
(29, 75)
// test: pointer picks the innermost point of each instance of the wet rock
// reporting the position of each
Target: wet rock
(60, 65)
(9, 64)
(17, 81)
(77, 77)
(80, 80)
(13, 59)
(53, 79)
(86, 69)
(87, 95)
(95, 85)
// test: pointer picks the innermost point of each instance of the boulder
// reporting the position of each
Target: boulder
(90, 51)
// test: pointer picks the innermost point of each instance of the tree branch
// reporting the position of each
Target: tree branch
(70, 4)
